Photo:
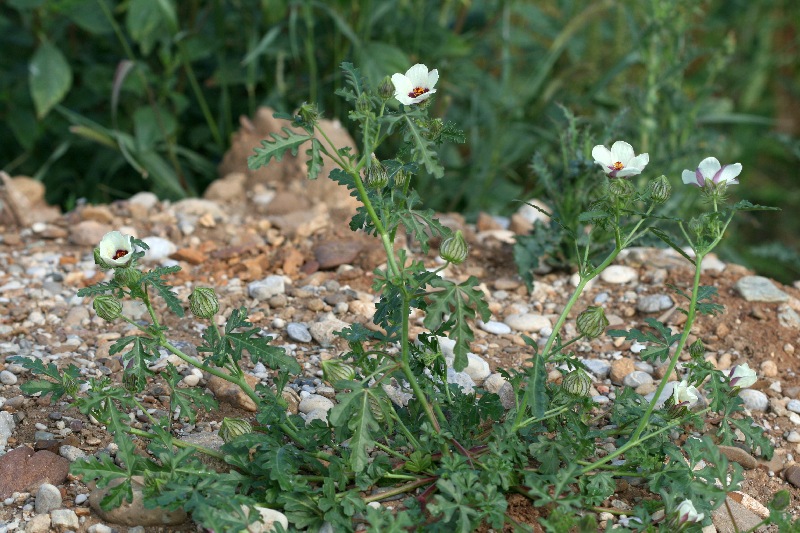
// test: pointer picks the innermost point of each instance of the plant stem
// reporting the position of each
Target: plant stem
(399, 490)
(678, 349)
(179, 443)
(406, 367)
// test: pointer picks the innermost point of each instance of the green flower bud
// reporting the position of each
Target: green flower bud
(309, 114)
(363, 104)
(234, 427)
(697, 226)
(98, 260)
(107, 307)
(697, 350)
(660, 190)
(203, 302)
(401, 179)
(621, 188)
(592, 322)
(386, 88)
(335, 370)
(577, 382)
(127, 277)
(377, 177)
(375, 407)
(454, 249)
(435, 127)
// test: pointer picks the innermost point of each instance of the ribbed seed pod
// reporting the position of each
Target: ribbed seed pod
(127, 277)
(577, 382)
(697, 350)
(592, 322)
(334, 370)
(234, 427)
(660, 190)
(203, 302)
(377, 177)
(107, 307)
(454, 249)
(375, 407)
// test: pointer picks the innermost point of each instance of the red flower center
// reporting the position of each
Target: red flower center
(119, 253)
(418, 91)
(617, 166)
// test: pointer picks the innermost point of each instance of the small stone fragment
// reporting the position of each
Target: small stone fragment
(619, 274)
(315, 401)
(760, 289)
(298, 332)
(39, 524)
(7, 378)
(654, 303)
(792, 475)
(48, 498)
(266, 288)
(494, 327)
(225, 391)
(332, 254)
(64, 520)
(769, 369)
(324, 332)
(738, 455)
(636, 379)
(527, 322)
(621, 368)
(754, 400)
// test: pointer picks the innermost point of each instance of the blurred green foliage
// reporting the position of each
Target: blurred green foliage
(101, 99)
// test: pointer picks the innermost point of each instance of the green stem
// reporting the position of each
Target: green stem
(625, 447)
(678, 349)
(408, 487)
(198, 93)
(406, 367)
(549, 414)
(179, 443)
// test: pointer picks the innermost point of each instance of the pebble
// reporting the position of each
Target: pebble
(738, 455)
(324, 331)
(654, 303)
(788, 317)
(332, 254)
(315, 401)
(621, 368)
(792, 475)
(527, 322)
(7, 378)
(760, 289)
(100, 528)
(269, 517)
(619, 274)
(477, 368)
(266, 288)
(793, 406)
(64, 520)
(191, 380)
(494, 327)
(71, 453)
(81, 498)
(48, 497)
(637, 378)
(160, 249)
(7, 426)
(38, 524)
(298, 332)
(754, 400)
(147, 200)
(793, 437)
(462, 379)
(599, 367)
(769, 369)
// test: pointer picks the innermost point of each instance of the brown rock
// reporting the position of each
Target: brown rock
(487, 222)
(792, 475)
(738, 455)
(229, 189)
(99, 213)
(335, 253)
(621, 368)
(225, 391)
(134, 513)
(88, 232)
(190, 255)
(303, 223)
(22, 201)
(23, 470)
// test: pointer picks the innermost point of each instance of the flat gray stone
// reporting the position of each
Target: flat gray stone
(637, 378)
(653, 303)
(599, 367)
(788, 317)
(298, 332)
(793, 406)
(266, 288)
(619, 274)
(527, 322)
(494, 327)
(754, 400)
(760, 289)
(48, 498)
(64, 520)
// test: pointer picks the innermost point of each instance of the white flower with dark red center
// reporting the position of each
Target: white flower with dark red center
(416, 85)
(116, 249)
(742, 376)
(687, 512)
(709, 169)
(685, 395)
(620, 161)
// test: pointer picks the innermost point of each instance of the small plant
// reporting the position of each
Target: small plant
(400, 426)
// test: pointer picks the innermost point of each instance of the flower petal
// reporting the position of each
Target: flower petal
(728, 173)
(639, 162)
(433, 77)
(708, 167)
(627, 172)
(689, 177)
(418, 75)
(402, 87)
(622, 152)
(602, 156)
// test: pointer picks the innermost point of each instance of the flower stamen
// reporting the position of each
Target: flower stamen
(417, 91)
(120, 253)
(617, 166)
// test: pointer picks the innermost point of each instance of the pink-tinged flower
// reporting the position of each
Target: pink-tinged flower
(742, 376)
(620, 161)
(687, 512)
(685, 395)
(115, 249)
(710, 169)
(416, 85)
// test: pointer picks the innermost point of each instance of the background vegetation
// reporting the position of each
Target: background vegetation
(101, 99)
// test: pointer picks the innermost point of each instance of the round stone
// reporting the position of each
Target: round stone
(653, 303)
(793, 437)
(754, 400)
(7, 378)
(793, 406)
(191, 380)
(637, 378)
(160, 248)
(266, 288)
(298, 332)
(527, 322)
(315, 401)
(48, 497)
(619, 274)
(599, 367)
(494, 327)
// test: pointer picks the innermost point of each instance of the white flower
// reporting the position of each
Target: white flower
(620, 161)
(742, 376)
(685, 395)
(687, 512)
(416, 85)
(116, 249)
(710, 169)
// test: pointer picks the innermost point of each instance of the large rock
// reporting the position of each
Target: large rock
(23, 470)
(134, 513)
(288, 174)
(22, 201)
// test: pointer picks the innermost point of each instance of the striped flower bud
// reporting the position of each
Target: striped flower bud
(375, 407)
(660, 190)
(234, 427)
(454, 249)
(107, 307)
(127, 277)
(577, 382)
(386, 88)
(335, 370)
(203, 302)
(697, 350)
(592, 322)
(377, 177)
